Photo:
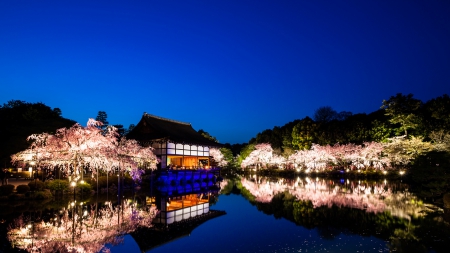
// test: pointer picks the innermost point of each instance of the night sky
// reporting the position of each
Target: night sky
(231, 68)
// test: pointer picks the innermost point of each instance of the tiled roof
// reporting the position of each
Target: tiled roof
(152, 128)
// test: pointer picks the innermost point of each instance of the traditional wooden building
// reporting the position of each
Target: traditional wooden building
(175, 143)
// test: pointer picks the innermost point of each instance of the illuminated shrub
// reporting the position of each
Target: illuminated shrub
(57, 185)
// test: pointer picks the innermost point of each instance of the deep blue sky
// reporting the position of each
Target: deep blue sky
(231, 68)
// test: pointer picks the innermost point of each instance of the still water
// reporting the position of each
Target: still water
(296, 215)
(316, 215)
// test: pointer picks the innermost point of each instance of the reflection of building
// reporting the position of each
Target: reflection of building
(178, 205)
(149, 238)
(175, 143)
(178, 215)
(178, 208)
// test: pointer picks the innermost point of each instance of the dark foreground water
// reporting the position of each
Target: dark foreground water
(245, 229)
(289, 215)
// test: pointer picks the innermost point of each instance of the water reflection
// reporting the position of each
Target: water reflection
(387, 211)
(79, 227)
(373, 197)
(85, 227)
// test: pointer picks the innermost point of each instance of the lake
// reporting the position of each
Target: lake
(303, 214)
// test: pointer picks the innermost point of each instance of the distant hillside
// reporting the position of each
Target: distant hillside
(19, 119)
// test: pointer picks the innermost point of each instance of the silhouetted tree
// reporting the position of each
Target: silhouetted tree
(102, 117)
(324, 114)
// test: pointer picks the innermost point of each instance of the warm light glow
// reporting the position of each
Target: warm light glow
(32, 163)
(384, 172)
(73, 183)
(402, 172)
(82, 182)
(81, 238)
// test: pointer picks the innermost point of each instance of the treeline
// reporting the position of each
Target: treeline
(399, 115)
(19, 119)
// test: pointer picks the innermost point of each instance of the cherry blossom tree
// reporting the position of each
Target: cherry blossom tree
(318, 157)
(218, 157)
(370, 155)
(259, 157)
(75, 148)
(402, 150)
(132, 157)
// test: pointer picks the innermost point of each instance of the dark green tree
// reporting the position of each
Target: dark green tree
(207, 135)
(228, 156)
(120, 130)
(380, 131)
(436, 113)
(245, 151)
(403, 110)
(304, 134)
(102, 117)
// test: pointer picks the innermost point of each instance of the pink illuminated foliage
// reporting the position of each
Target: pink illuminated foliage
(72, 149)
(370, 155)
(218, 157)
(75, 230)
(260, 157)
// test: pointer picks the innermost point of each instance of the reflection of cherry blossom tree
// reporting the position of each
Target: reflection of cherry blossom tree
(372, 197)
(76, 230)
